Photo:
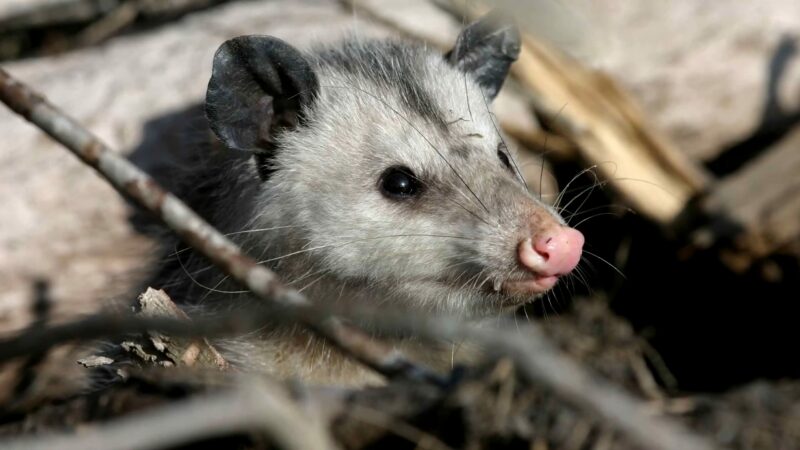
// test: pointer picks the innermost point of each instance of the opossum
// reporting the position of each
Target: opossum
(369, 172)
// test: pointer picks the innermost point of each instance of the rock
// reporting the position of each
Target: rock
(701, 70)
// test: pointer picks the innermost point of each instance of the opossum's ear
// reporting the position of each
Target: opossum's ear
(486, 49)
(259, 86)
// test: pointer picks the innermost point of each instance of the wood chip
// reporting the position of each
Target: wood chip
(95, 361)
(180, 351)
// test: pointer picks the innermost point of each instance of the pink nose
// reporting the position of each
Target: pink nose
(556, 252)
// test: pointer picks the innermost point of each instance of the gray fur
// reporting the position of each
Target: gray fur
(257, 86)
(486, 49)
(390, 66)
(377, 104)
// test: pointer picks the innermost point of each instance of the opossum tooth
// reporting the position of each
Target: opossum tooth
(498, 283)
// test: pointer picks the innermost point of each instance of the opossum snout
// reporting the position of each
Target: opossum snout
(553, 253)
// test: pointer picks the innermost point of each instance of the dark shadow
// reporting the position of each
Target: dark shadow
(168, 146)
(168, 140)
(181, 153)
(714, 328)
(775, 122)
(41, 307)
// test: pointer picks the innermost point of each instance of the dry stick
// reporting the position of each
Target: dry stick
(132, 182)
(34, 340)
(254, 405)
(541, 362)
(536, 358)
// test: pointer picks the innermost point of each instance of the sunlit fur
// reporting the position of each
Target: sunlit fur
(322, 223)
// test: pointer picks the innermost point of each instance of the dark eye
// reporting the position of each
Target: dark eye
(503, 158)
(399, 182)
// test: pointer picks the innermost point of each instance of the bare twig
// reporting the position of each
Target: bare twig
(112, 23)
(253, 406)
(132, 182)
(540, 362)
(42, 14)
(38, 339)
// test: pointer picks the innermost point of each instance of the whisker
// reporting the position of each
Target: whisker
(663, 189)
(541, 171)
(594, 217)
(324, 273)
(466, 93)
(492, 117)
(588, 211)
(204, 286)
(234, 233)
(588, 169)
(469, 211)
(466, 90)
(578, 273)
(575, 177)
(305, 250)
(606, 262)
(588, 193)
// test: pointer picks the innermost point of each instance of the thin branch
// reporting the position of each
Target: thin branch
(540, 362)
(253, 406)
(38, 339)
(134, 183)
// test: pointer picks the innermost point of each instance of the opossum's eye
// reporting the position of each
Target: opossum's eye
(399, 182)
(503, 157)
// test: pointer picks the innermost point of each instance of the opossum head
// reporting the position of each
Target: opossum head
(387, 165)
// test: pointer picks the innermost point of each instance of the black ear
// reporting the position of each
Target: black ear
(259, 85)
(486, 49)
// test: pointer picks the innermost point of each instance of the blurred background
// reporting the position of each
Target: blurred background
(672, 128)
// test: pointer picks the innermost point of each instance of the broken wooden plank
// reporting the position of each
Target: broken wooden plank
(611, 132)
(756, 210)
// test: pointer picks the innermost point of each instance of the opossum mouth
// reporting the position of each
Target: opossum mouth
(533, 285)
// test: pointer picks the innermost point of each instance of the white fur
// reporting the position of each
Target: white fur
(352, 244)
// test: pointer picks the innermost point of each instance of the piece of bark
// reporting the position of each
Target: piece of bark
(189, 352)
(95, 361)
